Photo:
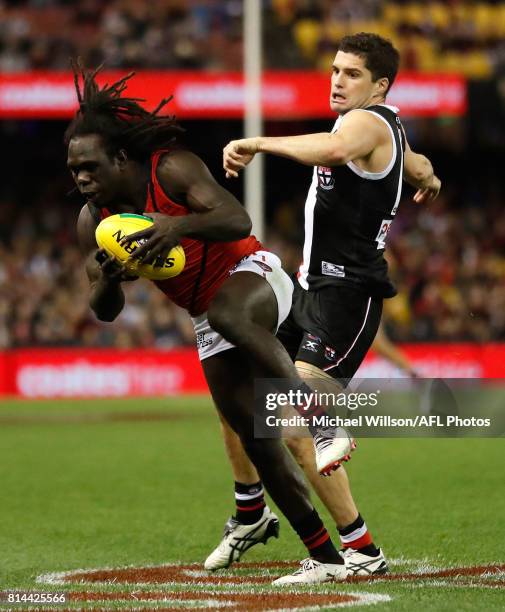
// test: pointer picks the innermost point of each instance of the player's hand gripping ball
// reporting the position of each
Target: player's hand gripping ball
(112, 231)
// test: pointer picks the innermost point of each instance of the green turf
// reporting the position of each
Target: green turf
(84, 485)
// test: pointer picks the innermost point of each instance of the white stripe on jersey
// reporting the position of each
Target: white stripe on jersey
(394, 210)
(310, 204)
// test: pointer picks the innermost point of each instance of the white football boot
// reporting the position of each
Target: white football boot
(358, 564)
(314, 572)
(332, 445)
(238, 538)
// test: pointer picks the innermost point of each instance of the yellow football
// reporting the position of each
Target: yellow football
(111, 232)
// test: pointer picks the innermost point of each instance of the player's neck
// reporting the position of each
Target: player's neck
(374, 101)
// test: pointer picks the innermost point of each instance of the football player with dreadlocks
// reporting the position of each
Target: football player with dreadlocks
(125, 159)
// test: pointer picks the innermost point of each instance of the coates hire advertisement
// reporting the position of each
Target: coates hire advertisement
(286, 95)
(64, 373)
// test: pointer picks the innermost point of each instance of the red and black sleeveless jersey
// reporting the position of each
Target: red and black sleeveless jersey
(207, 263)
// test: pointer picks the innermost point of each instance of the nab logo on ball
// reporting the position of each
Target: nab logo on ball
(131, 247)
(114, 229)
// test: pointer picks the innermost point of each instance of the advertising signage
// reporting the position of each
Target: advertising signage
(199, 95)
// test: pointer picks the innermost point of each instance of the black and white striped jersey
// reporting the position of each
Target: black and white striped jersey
(348, 213)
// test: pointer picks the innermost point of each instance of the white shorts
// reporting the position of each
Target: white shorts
(268, 266)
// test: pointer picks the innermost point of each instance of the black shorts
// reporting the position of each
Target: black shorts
(331, 328)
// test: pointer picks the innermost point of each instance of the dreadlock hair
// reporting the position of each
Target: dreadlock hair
(120, 121)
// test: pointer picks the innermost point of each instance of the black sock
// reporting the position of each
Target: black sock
(357, 536)
(313, 534)
(249, 501)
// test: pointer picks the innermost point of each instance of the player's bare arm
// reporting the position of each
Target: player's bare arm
(105, 274)
(359, 135)
(418, 172)
(217, 215)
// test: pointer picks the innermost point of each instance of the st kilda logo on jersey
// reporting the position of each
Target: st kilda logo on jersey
(325, 179)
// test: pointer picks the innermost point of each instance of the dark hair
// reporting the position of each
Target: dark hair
(121, 122)
(381, 58)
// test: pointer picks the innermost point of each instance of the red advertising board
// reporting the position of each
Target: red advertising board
(48, 373)
(286, 95)
(440, 361)
(67, 373)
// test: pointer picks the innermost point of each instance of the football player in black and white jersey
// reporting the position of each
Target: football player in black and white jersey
(359, 167)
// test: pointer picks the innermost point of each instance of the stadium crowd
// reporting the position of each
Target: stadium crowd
(454, 35)
(448, 261)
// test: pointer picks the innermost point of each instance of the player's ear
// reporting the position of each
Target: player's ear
(122, 158)
(382, 85)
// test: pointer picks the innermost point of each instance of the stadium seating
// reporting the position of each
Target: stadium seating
(456, 36)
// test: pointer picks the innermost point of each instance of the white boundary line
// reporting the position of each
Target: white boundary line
(416, 566)
(58, 578)
(361, 599)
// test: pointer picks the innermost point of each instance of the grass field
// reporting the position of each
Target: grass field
(145, 482)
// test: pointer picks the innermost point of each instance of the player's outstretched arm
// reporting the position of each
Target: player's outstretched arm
(418, 172)
(216, 216)
(357, 137)
(104, 273)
